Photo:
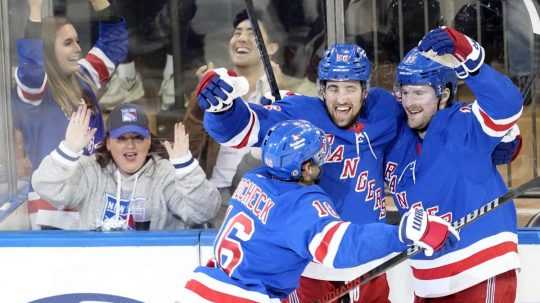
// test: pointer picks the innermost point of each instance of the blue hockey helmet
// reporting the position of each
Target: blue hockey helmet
(343, 62)
(416, 69)
(291, 143)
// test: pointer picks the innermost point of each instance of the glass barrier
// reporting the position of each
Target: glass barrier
(168, 43)
(388, 29)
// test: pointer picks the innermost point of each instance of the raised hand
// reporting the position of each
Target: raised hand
(78, 133)
(218, 89)
(180, 147)
(426, 231)
(467, 54)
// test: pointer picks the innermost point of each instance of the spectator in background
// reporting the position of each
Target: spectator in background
(149, 26)
(126, 182)
(220, 162)
(53, 80)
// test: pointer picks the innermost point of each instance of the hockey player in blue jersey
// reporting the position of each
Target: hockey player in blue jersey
(442, 163)
(279, 220)
(359, 122)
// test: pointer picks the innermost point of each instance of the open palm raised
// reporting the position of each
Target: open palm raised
(78, 134)
(180, 147)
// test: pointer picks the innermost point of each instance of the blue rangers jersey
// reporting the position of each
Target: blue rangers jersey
(272, 230)
(42, 122)
(353, 172)
(450, 173)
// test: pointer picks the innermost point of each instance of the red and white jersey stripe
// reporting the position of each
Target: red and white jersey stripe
(466, 267)
(28, 94)
(249, 135)
(324, 245)
(203, 288)
(98, 65)
(494, 127)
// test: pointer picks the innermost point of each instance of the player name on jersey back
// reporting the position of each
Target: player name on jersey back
(254, 198)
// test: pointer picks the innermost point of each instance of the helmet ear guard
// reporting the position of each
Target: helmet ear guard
(416, 69)
(289, 144)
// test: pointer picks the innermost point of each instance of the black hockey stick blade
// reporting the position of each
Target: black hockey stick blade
(413, 250)
(262, 50)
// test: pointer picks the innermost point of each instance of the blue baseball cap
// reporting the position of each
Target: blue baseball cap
(127, 118)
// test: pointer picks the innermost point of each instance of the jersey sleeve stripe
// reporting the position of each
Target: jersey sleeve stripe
(325, 244)
(494, 127)
(248, 136)
(98, 65)
(27, 89)
(29, 98)
(28, 94)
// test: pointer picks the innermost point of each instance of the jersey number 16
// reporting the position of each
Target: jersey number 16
(228, 251)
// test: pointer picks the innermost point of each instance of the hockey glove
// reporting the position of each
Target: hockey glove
(451, 48)
(218, 89)
(426, 231)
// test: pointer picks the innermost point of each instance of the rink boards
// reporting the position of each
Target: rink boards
(46, 267)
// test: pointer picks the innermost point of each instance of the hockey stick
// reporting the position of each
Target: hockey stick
(413, 250)
(262, 50)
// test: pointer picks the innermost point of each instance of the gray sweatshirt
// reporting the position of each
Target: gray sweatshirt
(176, 193)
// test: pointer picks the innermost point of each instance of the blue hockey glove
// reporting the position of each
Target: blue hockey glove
(426, 231)
(454, 49)
(218, 89)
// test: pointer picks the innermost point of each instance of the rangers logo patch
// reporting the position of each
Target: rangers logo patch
(129, 114)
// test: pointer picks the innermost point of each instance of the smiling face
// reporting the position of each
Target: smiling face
(243, 48)
(421, 103)
(343, 101)
(67, 50)
(129, 152)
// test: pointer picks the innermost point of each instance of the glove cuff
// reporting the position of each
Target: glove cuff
(413, 226)
(472, 62)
